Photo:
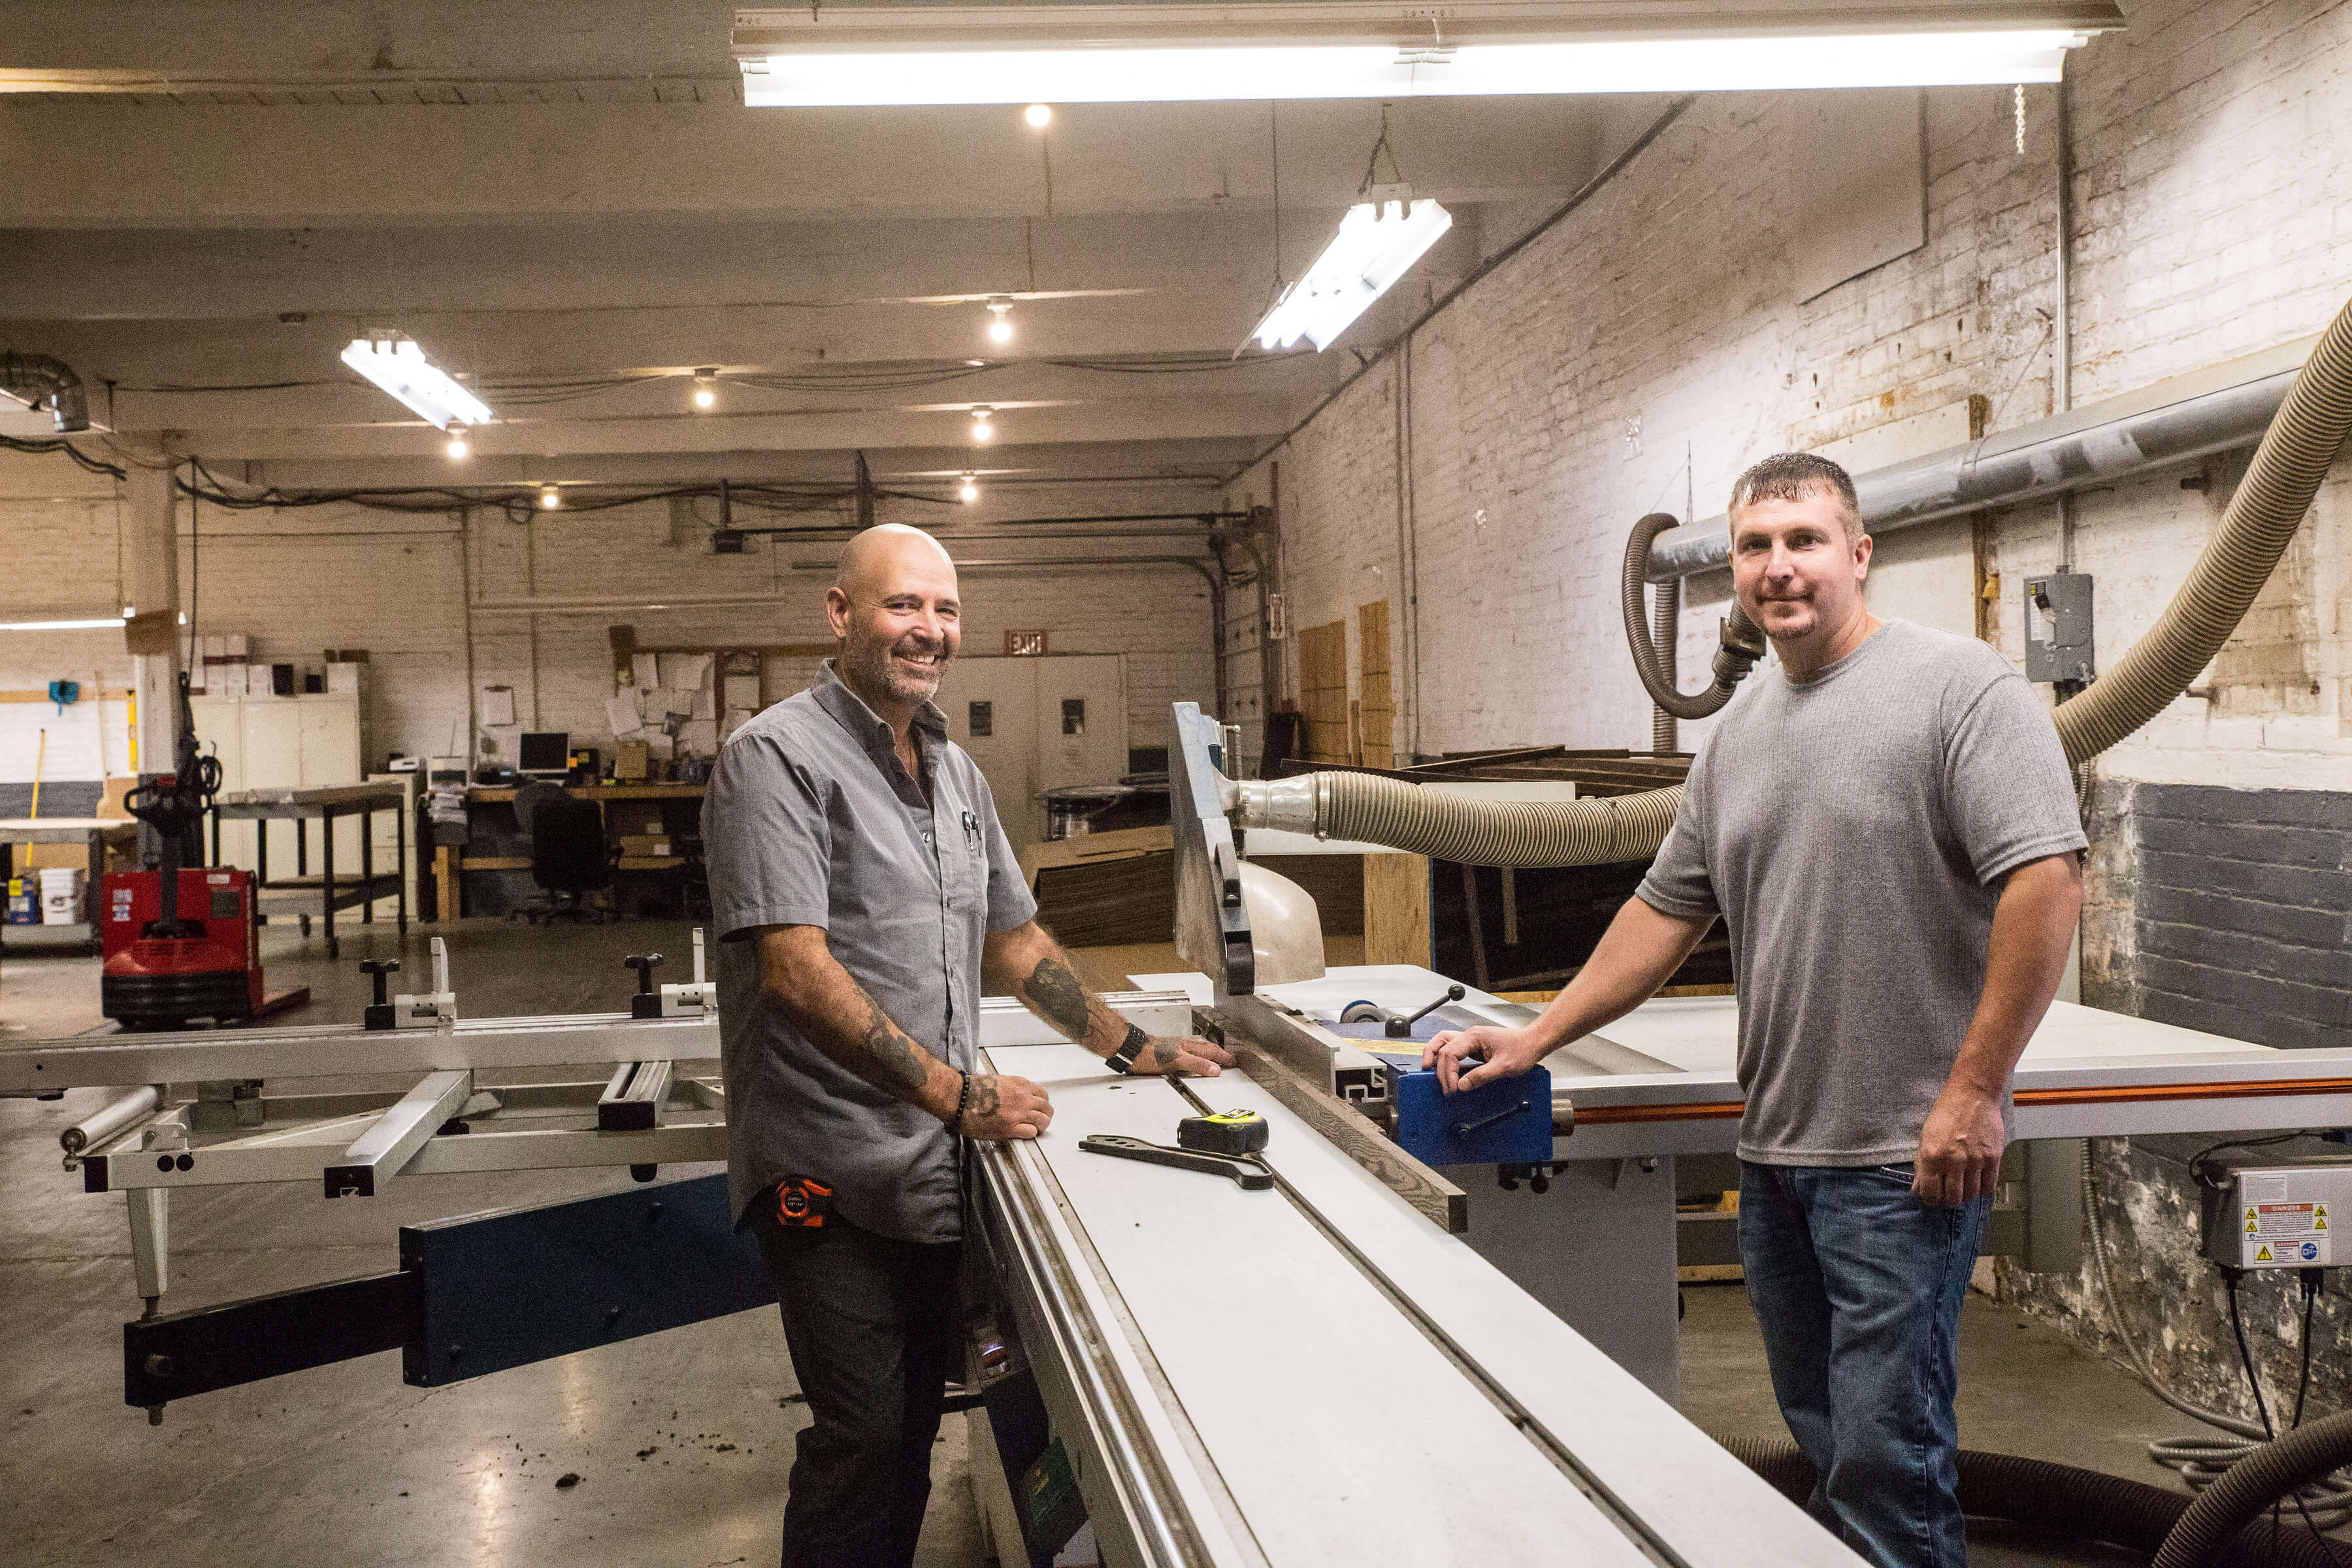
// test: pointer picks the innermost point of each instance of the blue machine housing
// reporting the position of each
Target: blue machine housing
(1507, 1123)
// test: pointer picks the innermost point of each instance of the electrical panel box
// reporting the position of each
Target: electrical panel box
(2058, 628)
(2277, 1216)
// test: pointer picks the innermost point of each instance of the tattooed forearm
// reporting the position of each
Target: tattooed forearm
(984, 1104)
(1056, 995)
(880, 1052)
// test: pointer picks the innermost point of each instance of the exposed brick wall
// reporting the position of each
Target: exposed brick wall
(2244, 912)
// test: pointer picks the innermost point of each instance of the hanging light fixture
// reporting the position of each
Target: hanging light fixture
(1377, 244)
(1000, 330)
(982, 430)
(397, 365)
(807, 57)
(1038, 115)
(706, 388)
(459, 445)
(550, 497)
(968, 491)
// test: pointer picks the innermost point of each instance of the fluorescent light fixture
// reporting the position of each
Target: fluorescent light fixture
(968, 491)
(396, 364)
(1174, 50)
(1000, 331)
(1377, 244)
(100, 623)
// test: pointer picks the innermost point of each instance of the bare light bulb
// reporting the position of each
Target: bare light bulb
(969, 490)
(706, 388)
(1038, 115)
(982, 430)
(458, 447)
(550, 497)
(1000, 331)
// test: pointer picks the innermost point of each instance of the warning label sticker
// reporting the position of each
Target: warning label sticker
(2294, 1235)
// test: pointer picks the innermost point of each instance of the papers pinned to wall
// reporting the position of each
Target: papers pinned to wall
(622, 713)
(498, 706)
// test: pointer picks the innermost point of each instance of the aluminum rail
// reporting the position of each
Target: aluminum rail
(43, 1067)
(2219, 409)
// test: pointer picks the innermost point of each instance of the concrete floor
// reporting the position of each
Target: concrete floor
(680, 1440)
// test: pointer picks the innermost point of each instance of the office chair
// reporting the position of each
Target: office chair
(568, 859)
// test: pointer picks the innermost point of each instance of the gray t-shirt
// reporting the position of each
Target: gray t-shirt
(1852, 830)
(811, 819)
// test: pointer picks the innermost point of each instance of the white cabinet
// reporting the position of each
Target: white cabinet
(1035, 724)
(298, 743)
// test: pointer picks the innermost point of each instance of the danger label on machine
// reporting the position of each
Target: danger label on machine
(2290, 1234)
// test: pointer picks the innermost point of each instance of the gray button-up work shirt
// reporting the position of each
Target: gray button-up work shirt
(811, 819)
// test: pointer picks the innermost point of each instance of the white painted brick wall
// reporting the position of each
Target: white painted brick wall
(2210, 203)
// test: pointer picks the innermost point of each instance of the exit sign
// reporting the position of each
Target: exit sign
(1019, 645)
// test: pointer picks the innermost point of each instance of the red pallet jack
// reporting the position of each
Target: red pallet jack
(181, 941)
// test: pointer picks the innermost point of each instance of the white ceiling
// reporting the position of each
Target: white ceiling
(569, 205)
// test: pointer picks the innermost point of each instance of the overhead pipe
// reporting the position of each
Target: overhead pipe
(2180, 420)
(44, 381)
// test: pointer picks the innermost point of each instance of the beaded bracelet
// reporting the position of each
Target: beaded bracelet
(963, 1101)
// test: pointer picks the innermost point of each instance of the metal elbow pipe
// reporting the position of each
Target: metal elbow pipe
(45, 382)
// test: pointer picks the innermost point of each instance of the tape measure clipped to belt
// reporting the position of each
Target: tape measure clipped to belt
(1224, 1133)
(803, 1202)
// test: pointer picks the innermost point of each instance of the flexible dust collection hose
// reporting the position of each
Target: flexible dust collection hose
(1665, 616)
(2293, 458)
(1742, 644)
(2075, 1504)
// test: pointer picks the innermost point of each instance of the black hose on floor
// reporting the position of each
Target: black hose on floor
(2253, 1486)
(2064, 1502)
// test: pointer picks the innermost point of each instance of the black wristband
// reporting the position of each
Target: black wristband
(1123, 1059)
(963, 1102)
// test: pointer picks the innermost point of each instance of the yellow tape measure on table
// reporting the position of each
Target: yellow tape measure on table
(1224, 1133)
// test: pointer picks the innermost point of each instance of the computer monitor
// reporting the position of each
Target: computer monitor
(546, 754)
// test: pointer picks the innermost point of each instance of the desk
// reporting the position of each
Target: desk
(100, 833)
(302, 806)
(451, 862)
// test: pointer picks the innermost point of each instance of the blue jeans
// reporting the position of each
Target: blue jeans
(1858, 1285)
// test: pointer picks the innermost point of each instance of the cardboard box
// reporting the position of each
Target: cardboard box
(645, 844)
(629, 761)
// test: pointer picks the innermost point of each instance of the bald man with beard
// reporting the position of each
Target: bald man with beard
(864, 892)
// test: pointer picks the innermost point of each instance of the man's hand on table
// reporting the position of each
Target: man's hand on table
(1003, 1107)
(1186, 1056)
(1959, 1149)
(1508, 1053)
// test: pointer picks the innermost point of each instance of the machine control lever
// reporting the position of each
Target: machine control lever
(647, 1002)
(379, 1014)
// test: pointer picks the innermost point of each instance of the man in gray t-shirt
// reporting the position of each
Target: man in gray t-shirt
(864, 892)
(1885, 825)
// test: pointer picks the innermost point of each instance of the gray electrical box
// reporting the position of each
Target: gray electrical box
(2277, 1216)
(2058, 628)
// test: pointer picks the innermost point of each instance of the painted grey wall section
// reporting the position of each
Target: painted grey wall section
(2243, 918)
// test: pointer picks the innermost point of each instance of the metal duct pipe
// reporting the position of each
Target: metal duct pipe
(2220, 409)
(44, 381)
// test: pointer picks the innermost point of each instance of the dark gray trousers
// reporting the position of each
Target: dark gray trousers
(875, 1328)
